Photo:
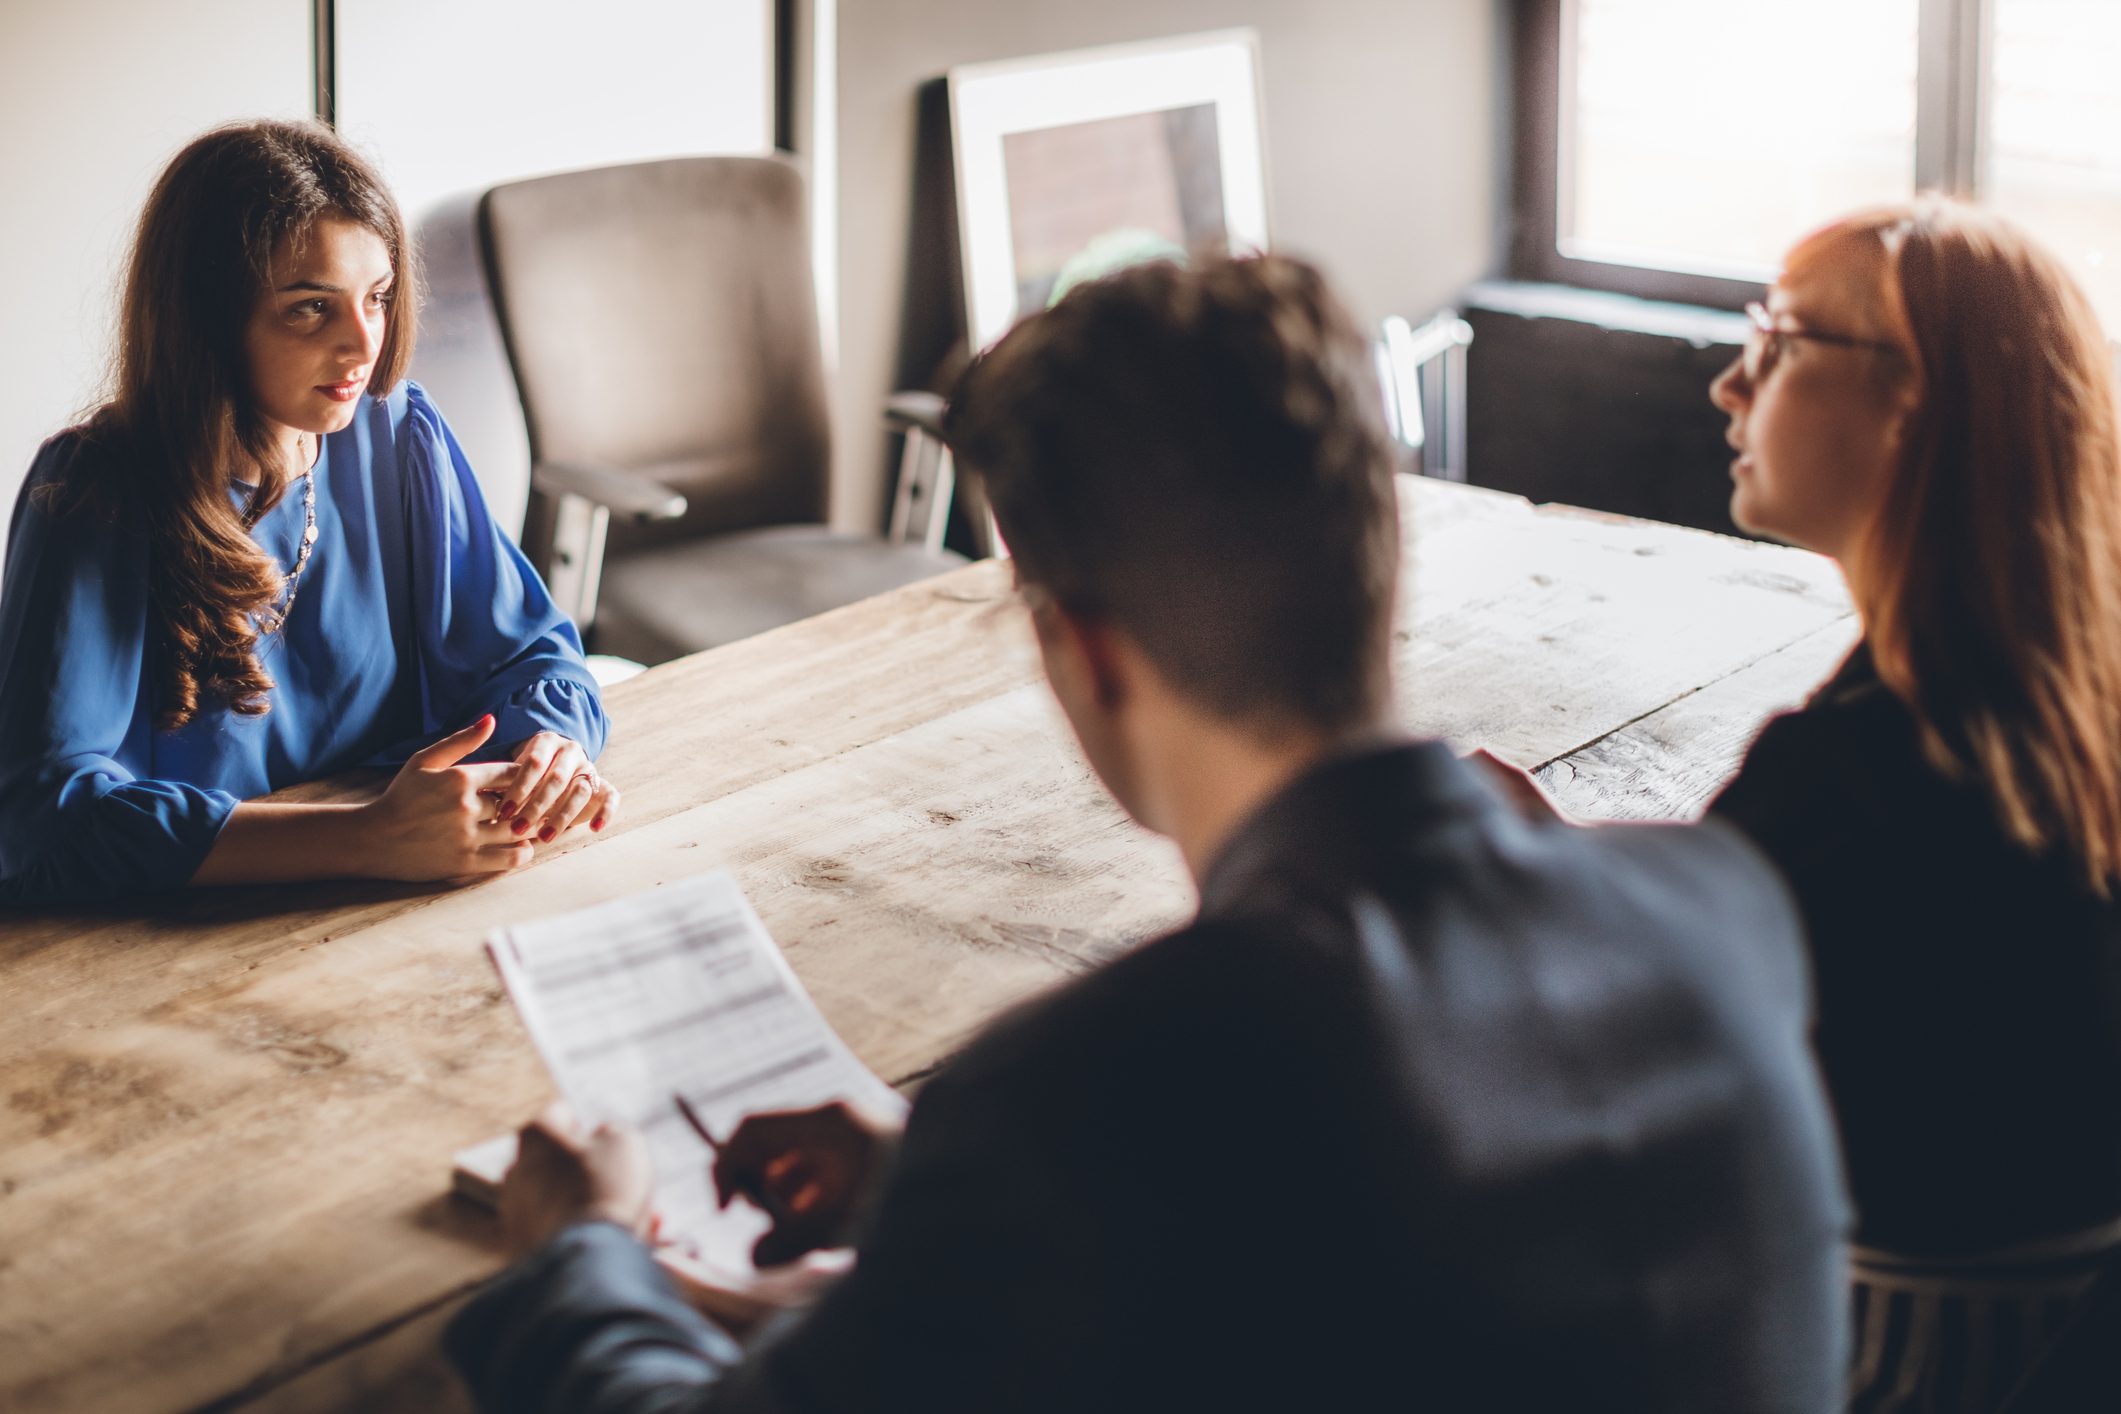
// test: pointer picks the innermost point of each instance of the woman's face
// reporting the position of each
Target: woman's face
(1817, 434)
(314, 334)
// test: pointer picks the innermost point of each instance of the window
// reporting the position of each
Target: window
(2052, 159)
(1675, 148)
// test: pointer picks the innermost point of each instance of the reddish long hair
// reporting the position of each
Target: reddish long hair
(1990, 580)
(181, 422)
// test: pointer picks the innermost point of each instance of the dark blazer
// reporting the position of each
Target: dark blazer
(1430, 1108)
(1969, 992)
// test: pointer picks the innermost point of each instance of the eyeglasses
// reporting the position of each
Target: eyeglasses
(1764, 341)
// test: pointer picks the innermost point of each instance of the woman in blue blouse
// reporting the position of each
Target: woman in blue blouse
(265, 560)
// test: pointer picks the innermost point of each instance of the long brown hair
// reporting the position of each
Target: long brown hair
(181, 421)
(1990, 579)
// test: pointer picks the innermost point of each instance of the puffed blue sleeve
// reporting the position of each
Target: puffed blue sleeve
(490, 638)
(76, 822)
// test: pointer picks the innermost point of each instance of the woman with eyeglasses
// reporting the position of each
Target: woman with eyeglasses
(1927, 397)
(264, 560)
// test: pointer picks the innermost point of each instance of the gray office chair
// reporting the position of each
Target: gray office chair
(1424, 376)
(661, 322)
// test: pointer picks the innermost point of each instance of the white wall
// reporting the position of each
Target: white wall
(95, 96)
(453, 98)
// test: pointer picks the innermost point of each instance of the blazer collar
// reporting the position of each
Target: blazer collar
(1351, 807)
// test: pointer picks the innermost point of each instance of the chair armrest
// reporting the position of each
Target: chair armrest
(915, 411)
(623, 493)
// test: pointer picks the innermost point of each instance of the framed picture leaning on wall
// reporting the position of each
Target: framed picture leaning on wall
(1071, 165)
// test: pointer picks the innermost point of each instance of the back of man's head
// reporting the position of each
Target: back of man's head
(1198, 457)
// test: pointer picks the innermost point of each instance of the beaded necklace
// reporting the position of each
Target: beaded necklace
(270, 622)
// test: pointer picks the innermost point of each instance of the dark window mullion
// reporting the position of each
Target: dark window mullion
(1950, 95)
(323, 40)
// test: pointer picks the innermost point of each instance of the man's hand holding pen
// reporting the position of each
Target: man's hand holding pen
(809, 1170)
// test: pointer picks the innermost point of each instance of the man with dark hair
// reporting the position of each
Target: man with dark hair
(1430, 1107)
(1199, 460)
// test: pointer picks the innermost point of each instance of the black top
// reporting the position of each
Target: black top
(1429, 1108)
(1969, 994)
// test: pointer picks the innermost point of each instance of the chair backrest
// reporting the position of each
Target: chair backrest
(661, 317)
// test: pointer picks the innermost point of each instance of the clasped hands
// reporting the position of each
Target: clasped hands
(810, 1168)
(443, 819)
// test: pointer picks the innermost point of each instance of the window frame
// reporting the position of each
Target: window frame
(1950, 119)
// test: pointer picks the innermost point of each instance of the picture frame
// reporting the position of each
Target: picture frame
(1069, 165)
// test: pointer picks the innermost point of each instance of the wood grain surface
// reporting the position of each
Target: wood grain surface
(226, 1117)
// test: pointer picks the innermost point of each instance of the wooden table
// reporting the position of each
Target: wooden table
(225, 1125)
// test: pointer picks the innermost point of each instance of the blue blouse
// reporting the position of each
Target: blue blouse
(415, 616)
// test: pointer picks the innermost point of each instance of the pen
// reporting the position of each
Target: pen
(756, 1191)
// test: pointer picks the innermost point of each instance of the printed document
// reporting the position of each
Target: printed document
(679, 989)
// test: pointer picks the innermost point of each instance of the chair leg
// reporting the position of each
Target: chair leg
(578, 531)
(911, 454)
(1423, 373)
(939, 498)
(1454, 425)
(927, 479)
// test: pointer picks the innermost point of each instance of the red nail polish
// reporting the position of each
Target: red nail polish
(547, 833)
(508, 807)
(597, 824)
(520, 825)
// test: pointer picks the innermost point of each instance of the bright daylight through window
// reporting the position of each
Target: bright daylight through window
(2053, 154)
(1670, 160)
